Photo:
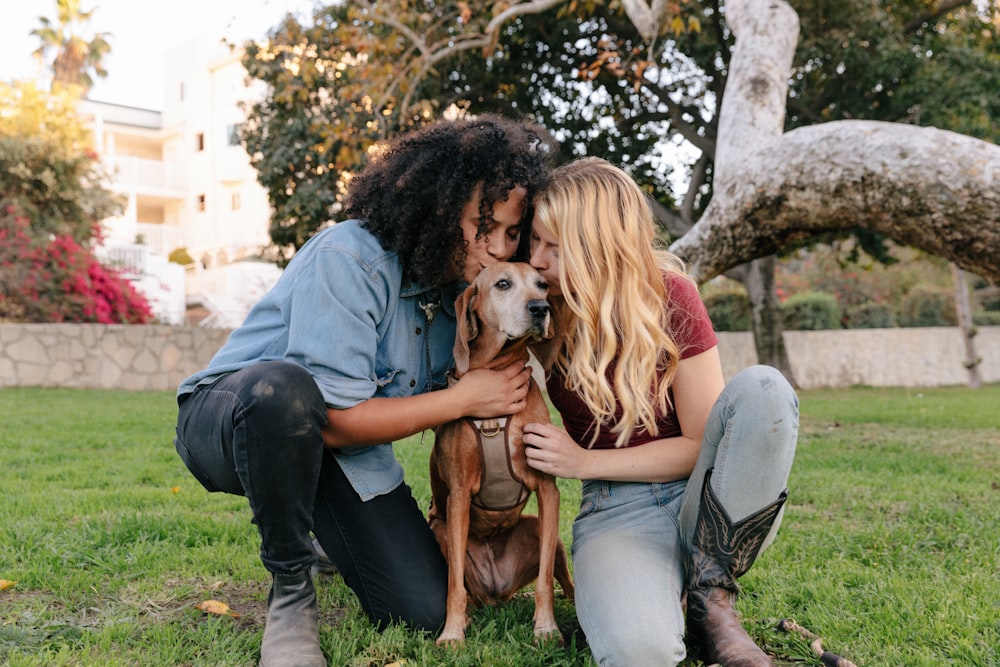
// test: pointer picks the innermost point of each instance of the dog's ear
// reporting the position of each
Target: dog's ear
(467, 327)
(547, 349)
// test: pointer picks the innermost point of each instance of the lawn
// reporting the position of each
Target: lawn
(890, 548)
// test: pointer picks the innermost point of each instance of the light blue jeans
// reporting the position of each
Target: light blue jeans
(629, 538)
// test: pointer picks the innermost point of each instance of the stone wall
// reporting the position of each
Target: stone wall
(157, 357)
(921, 357)
(101, 356)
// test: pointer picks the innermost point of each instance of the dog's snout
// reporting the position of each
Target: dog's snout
(538, 307)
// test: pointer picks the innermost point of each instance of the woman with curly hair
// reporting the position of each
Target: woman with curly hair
(683, 475)
(348, 352)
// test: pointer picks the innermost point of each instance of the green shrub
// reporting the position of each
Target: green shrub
(58, 280)
(871, 315)
(811, 311)
(926, 306)
(729, 310)
(986, 318)
(181, 256)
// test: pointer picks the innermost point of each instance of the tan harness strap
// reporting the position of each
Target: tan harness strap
(500, 488)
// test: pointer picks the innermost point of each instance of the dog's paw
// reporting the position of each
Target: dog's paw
(451, 639)
(548, 633)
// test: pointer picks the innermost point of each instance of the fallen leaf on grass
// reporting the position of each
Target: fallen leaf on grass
(175, 489)
(6, 583)
(216, 607)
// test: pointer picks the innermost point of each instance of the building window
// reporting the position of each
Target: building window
(199, 141)
(200, 202)
(236, 201)
(233, 132)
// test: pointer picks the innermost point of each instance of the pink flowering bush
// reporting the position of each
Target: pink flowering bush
(58, 280)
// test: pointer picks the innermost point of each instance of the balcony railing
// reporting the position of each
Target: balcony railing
(132, 259)
(161, 238)
(141, 172)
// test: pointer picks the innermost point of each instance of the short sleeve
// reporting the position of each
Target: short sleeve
(690, 325)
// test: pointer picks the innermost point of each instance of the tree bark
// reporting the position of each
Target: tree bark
(752, 115)
(936, 190)
(757, 278)
(932, 189)
(969, 330)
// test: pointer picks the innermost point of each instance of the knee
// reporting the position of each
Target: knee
(764, 389)
(284, 392)
(427, 615)
(624, 647)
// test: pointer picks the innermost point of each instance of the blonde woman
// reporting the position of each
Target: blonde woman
(683, 475)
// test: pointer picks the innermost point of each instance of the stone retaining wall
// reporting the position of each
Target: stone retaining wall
(102, 356)
(919, 357)
(157, 357)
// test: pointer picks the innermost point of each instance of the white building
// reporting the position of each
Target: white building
(186, 180)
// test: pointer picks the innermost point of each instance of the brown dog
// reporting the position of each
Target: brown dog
(479, 490)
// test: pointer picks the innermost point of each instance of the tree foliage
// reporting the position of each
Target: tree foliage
(55, 279)
(314, 125)
(74, 53)
(47, 166)
(609, 79)
(361, 72)
(51, 204)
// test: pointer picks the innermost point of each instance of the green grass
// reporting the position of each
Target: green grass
(890, 549)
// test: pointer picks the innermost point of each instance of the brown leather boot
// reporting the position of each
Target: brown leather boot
(291, 632)
(721, 552)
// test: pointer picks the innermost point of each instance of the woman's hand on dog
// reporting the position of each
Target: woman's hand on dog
(551, 450)
(494, 393)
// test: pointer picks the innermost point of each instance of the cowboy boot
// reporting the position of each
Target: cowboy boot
(291, 632)
(721, 552)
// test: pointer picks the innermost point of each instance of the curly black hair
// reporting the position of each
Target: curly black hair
(412, 195)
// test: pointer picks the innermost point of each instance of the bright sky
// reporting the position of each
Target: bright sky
(142, 31)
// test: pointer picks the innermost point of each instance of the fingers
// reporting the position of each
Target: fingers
(496, 393)
(510, 359)
(537, 430)
(514, 369)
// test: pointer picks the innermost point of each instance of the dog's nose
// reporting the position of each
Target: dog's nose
(538, 308)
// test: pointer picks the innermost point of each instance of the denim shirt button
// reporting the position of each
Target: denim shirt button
(413, 383)
(419, 331)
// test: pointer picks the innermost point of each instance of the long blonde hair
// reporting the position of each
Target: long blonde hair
(613, 308)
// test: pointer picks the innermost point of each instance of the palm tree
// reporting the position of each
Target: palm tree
(75, 58)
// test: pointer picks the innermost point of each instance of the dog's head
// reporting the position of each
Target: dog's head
(506, 303)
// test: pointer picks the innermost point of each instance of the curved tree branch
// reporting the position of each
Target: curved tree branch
(929, 188)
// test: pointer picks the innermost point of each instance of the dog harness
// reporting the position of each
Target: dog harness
(499, 488)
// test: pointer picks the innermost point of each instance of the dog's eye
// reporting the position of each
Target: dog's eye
(541, 284)
(503, 284)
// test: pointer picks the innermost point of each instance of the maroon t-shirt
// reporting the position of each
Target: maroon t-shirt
(693, 333)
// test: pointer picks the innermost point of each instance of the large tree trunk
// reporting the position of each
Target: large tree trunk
(969, 330)
(752, 114)
(936, 190)
(768, 330)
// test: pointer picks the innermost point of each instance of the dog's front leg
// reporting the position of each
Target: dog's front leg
(548, 536)
(457, 527)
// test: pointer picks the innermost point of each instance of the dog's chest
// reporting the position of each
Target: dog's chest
(500, 488)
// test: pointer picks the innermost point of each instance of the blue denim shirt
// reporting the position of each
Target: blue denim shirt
(340, 310)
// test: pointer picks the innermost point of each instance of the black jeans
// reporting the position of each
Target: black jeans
(257, 433)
